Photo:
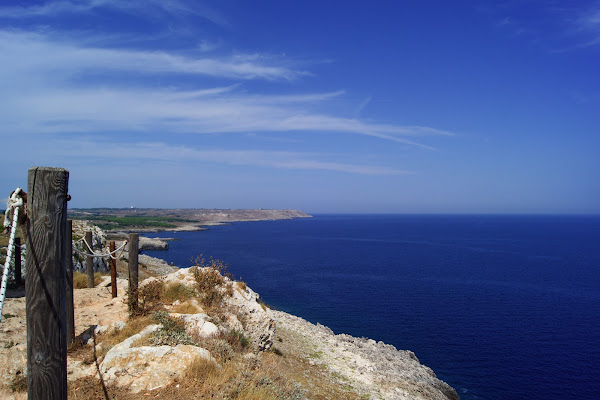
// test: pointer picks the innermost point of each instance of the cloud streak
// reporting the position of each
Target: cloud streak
(148, 8)
(156, 151)
(39, 54)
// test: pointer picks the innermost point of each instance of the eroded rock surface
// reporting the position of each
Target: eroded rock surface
(363, 364)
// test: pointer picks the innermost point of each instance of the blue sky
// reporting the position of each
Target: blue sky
(326, 106)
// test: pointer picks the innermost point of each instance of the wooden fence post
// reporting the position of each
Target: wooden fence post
(18, 262)
(45, 283)
(89, 260)
(70, 306)
(133, 271)
(113, 268)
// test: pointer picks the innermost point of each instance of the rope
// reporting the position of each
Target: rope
(109, 254)
(88, 246)
(14, 203)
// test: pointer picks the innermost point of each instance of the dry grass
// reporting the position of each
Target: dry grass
(80, 279)
(186, 308)
(173, 292)
(243, 379)
(133, 326)
(155, 294)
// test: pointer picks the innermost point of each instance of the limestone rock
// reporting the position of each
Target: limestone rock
(260, 326)
(197, 324)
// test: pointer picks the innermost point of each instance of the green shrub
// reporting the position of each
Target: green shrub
(236, 339)
(218, 348)
(172, 332)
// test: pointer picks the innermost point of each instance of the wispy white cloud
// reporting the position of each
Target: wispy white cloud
(37, 53)
(156, 151)
(49, 92)
(62, 87)
(362, 106)
(589, 24)
(216, 110)
(560, 26)
(152, 8)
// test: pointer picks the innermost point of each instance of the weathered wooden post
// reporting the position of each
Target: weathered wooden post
(45, 283)
(133, 271)
(113, 268)
(70, 306)
(18, 262)
(89, 260)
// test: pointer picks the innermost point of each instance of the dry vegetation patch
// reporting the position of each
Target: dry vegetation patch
(80, 279)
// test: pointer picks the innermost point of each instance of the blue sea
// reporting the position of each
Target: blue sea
(500, 307)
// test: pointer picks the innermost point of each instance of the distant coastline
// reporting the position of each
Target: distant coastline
(123, 220)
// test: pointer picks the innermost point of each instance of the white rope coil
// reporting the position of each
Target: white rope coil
(15, 202)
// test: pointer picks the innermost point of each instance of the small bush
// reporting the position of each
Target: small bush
(172, 332)
(210, 282)
(19, 383)
(237, 340)
(150, 296)
(218, 348)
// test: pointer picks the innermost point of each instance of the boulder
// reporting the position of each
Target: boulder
(197, 324)
(148, 367)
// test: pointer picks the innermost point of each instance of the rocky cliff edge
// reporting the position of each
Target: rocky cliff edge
(241, 345)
